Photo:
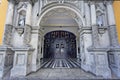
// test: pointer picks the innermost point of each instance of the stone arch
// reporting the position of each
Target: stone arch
(72, 8)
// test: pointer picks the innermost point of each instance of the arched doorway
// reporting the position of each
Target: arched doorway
(60, 45)
(60, 18)
(60, 49)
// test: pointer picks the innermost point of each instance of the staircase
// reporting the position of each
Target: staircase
(61, 63)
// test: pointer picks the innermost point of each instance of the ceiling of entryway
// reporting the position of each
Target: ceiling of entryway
(59, 17)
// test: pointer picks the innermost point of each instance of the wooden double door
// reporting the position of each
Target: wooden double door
(60, 49)
(59, 45)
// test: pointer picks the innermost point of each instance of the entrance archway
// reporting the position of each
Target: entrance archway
(60, 50)
(77, 17)
(60, 45)
(57, 19)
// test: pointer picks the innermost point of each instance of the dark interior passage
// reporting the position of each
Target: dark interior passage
(60, 45)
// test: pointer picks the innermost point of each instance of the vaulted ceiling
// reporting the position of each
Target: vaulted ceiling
(59, 17)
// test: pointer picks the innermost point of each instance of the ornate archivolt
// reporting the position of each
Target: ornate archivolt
(60, 14)
(74, 12)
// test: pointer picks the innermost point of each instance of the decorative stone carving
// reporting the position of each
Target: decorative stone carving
(93, 56)
(20, 30)
(102, 30)
(22, 5)
(27, 35)
(100, 15)
(100, 20)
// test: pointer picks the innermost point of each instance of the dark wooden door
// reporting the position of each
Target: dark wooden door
(60, 49)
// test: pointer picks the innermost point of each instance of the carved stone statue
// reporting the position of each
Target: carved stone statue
(100, 20)
(21, 22)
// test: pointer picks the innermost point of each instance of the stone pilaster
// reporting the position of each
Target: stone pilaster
(112, 26)
(87, 14)
(94, 26)
(29, 13)
(98, 55)
(114, 52)
(9, 23)
(27, 35)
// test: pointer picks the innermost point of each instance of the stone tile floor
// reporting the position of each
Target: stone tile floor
(58, 74)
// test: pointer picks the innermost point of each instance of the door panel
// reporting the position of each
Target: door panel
(60, 48)
(59, 44)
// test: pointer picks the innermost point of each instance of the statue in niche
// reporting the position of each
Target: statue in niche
(21, 21)
(100, 20)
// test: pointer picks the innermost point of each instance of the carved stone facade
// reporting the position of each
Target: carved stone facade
(28, 21)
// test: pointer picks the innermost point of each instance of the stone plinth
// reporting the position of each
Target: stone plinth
(22, 61)
(99, 62)
(6, 60)
(114, 60)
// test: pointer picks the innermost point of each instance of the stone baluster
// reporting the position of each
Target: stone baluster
(9, 23)
(112, 26)
(94, 26)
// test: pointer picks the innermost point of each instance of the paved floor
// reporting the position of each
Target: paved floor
(62, 74)
(61, 63)
(59, 74)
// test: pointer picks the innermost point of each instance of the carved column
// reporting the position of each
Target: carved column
(112, 26)
(94, 26)
(27, 35)
(9, 23)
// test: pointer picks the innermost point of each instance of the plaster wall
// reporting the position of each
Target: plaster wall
(116, 6)
(3, 10)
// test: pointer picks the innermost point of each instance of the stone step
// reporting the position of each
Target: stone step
(61, 63)
(61, 74)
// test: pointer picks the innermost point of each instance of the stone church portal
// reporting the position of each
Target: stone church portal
(60, 34)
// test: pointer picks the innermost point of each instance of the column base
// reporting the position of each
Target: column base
(86, 67)
(114, 60)
(35, 67)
